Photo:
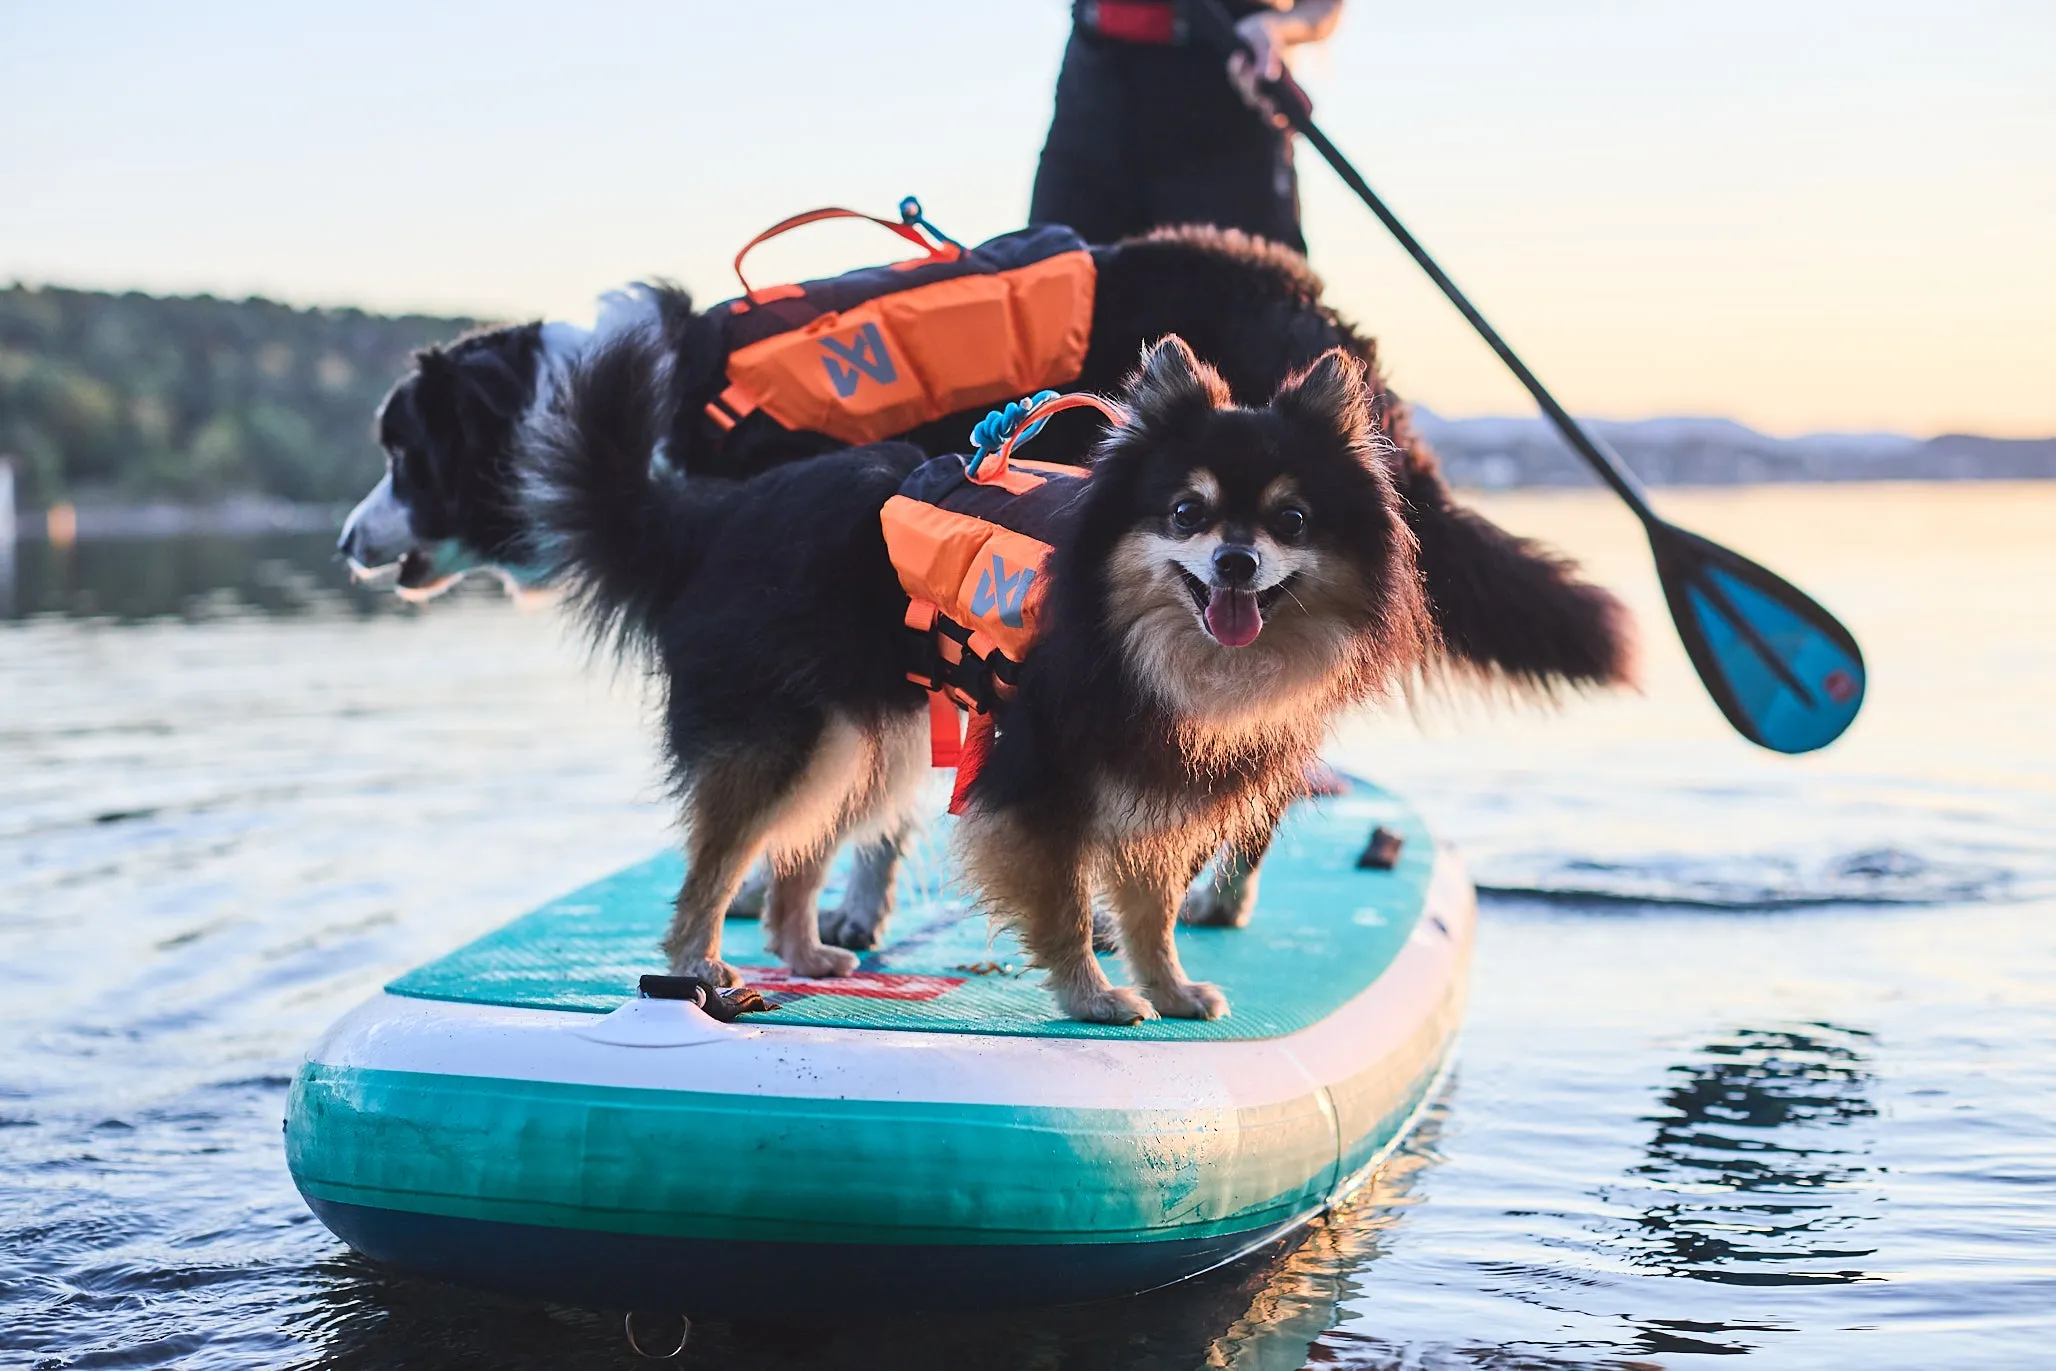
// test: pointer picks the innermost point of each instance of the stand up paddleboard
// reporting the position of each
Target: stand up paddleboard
(925, 1133)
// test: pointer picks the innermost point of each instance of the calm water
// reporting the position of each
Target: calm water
(1761, 1056)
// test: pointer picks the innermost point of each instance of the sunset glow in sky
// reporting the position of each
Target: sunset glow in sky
(1806, 215)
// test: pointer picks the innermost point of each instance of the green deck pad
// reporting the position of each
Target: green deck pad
(1322, 932)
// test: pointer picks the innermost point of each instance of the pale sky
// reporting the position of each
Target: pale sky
(1808, 214)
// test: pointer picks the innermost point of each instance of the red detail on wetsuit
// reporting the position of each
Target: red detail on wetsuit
(1134, 21)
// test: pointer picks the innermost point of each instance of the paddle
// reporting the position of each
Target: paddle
(1783, 671)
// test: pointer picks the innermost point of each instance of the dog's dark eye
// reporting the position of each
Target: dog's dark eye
(1188, 515)
(1289, 524)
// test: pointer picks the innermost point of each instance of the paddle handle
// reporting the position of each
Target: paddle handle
(1293, 103)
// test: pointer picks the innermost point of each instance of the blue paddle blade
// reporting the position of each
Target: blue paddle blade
(1786, 674)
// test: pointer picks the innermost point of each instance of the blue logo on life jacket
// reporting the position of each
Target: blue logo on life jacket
(865, 355)
(1007, 594)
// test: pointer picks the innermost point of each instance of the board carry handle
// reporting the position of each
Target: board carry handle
(944, 251)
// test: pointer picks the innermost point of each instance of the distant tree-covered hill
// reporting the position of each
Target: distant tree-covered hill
(130, 397)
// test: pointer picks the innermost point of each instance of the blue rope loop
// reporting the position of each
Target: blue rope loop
(991, 432)
(911, 216)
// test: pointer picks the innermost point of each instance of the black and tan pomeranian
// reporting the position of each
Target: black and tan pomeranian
(1234, 578)
(1228, 581)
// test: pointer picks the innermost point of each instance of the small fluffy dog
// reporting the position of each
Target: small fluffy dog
(1229, 580)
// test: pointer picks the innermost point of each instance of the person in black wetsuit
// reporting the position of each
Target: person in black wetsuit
(1149, 129)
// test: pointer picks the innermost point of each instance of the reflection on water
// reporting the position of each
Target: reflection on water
(200, 576)
(1762, 1061)
(1757, 1175)
(1759, 881)
(1762, 1179)
(1263, 1314)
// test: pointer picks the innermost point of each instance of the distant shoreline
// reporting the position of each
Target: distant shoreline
(248, 516)
(1521, 453)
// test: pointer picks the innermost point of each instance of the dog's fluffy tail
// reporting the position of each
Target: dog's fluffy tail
(1510, 611)
(610, 521)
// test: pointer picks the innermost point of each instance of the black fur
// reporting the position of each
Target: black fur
(1509, 609)
(618, 531)
(759, 603)
(449, 431)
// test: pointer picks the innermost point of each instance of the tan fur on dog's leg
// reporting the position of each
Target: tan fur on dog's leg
(791, 925)
(1227, 897)
(1147, 905)
(1040, 891)
(729, 813)
(715, 866)
(851, 780)
(749, 900)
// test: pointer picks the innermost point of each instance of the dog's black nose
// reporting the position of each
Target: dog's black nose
(1234, 566)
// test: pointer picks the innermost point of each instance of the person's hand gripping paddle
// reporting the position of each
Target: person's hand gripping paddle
(1787, 675)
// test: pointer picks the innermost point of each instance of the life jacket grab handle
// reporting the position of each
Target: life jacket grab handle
(985, 469)
(944, 251)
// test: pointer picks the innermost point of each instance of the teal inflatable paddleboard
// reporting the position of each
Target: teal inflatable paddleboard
(924, 1134)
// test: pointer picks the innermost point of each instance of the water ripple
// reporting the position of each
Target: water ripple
(1816, 1140)
(1746, 882)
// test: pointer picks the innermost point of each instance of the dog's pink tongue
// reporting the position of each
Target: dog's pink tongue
(1232, 617)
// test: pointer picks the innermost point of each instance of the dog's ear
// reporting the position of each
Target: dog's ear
(1331, 396)
(438, 386)
(1171, 382)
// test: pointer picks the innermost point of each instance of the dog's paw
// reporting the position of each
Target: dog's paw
(822, 963)
(1106, 932)
(1189, 1000)
(1214, 904)
(1115, 1004)
(856, 929)
(709, 969)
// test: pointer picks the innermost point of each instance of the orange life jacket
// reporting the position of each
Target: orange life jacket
(968, 538)
(873, 353)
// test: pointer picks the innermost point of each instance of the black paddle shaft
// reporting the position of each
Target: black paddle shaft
(1728, 641)
(1297, 107)
(1593, 449)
